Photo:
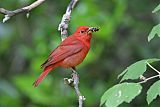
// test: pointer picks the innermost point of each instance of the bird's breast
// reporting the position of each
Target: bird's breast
(75, 59)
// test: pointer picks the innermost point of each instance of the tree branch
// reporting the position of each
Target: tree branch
(63, 26)
(75, 78)
(8, 14)
(73, 82)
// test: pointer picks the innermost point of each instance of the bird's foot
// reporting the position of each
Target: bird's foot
(69, 81)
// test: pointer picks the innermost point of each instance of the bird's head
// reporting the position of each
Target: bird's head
(85, 32)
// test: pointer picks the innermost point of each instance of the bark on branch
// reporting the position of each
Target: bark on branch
(63, 27)
(74, 82)
(8, 14)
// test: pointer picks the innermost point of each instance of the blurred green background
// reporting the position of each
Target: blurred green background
(26, 43)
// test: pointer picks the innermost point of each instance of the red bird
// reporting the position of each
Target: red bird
(70, 53)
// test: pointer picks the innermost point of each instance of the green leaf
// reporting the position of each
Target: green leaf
(156, 9)
(135, 70)
(121, 74)
(120, 93)
(153, 92)
(153, 60)
(155, 31)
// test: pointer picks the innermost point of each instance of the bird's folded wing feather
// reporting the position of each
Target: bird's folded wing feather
(63, 51)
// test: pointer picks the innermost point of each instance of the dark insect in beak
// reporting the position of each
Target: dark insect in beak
(93, 29)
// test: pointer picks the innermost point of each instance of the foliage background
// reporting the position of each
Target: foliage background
(26, 43)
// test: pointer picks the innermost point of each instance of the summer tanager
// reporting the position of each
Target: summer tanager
(70, 53)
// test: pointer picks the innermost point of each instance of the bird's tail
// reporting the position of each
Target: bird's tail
(43, 74)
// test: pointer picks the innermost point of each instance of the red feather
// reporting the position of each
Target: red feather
(43, 74)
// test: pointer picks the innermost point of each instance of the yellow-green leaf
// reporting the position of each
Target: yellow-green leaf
(155, 31)
(153, 92)
(135, 70)
(156, 9)
(120, 93)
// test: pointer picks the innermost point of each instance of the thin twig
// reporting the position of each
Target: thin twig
(73, 82)
(145, 80)
(8, 14)
(152, 77)
(63, 26)
(75, 78)
(153, 68)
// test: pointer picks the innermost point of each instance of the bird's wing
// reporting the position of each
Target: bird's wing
(63, 51)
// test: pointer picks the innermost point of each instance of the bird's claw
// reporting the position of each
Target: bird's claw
(69, 81)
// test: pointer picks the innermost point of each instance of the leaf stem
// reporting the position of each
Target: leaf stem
(145, 80)
(153, 68)
(152, 77)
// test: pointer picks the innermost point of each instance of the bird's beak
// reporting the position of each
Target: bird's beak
(93, 29)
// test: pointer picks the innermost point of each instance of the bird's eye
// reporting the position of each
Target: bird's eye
(82, 31)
